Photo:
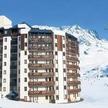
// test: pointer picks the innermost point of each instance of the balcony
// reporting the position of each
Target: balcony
(41, 83)
(73, 66)
(74, 82)
(41, 57)
(41, 75)
(41, 93)
(70, 59)
(41, 40)
(73, 75)
(72, 91)
(41, 49)
(40, 66)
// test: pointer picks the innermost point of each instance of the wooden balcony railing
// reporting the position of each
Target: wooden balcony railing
(42, 74)
(74, 82)
(41, 40)
(41, 83)
(69, 59)
(72, 91)
(69, 66)
(41, 93)
(41, 57)
(72, 75)
(40, 66)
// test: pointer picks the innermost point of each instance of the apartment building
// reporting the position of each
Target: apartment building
(42, 66)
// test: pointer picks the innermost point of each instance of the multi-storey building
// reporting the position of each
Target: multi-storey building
(40, 65)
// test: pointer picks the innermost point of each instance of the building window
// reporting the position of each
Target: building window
(63, 45)
(56, 53)
(4, 71)
(4, 80)
(64, 70)
(55, 44)
(56, 78)
(46, 97)
(64, 62)
(25, 70)
(55, 36)
(25, 79)
(25, 52)
(56, 70)
(64, 87)
(26, 44)
(64, 78)
(57, 87)
(4, 63)
(25, 61)
(5, 39)
(57, 97)
(25, 36)
(5, 55)
(63, 53)
(4, 88)
(5, 47)
(25, 88)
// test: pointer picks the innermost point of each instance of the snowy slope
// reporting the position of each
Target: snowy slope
(94, 92)
(93, 51)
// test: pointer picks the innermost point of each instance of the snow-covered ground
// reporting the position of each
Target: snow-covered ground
(94, 92)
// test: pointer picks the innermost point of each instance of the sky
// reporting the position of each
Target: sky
(89, 14)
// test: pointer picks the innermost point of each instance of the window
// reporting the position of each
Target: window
(57, 97)
(56, 53)
(57, 87)
(4, 71)
(64, 70)
(4, 63)
(5, 39)
(25, 52)
(25, 61)
(25, 88)
(55, 44)
(5, 47)
(4, 80)
(64, 78)
(56, 70)
(64, 62)
(55, 36)
(25, 79)
(64, 87)
(5, 55)
(63, 45)
(56, 78)
(4, 88)
(63, 53)
(25, 70)
(25, 44)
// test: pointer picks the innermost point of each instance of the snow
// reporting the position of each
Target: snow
(94, 92)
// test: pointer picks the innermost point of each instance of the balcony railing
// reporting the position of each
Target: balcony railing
(42, 74)
(72, 91)
(41, 83)
(40, 66)
(41, 57)
(74, 82)
(41, 93)
(73, 75)
(69, 66)
(41, 40)
(41, 49)
(69, 59)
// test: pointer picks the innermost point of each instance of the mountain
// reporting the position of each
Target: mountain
(93, 50)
